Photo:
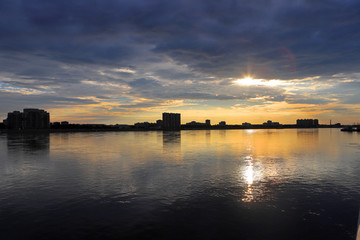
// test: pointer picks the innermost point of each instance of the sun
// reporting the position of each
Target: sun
(250, 81)
(247, 81)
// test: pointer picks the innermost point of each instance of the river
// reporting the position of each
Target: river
(200, 184)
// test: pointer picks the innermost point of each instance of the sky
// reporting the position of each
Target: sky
(127, 61)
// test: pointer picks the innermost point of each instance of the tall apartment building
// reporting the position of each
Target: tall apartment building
(36, 119)
(307, 123)
(30, 118)
(14, 120)
(171, 121)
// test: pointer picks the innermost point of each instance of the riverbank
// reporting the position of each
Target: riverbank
(240, 127)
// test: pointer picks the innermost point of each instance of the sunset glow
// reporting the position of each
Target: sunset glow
(249, 81)
(209, 63)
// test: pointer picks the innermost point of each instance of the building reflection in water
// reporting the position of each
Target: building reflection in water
(308, 138)
(208, 137)
(172, 146)
(28, 143)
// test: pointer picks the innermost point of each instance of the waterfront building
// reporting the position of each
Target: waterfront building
(159, 123)
(307, 123)
(207, 123)
(270, 123)
(144, 125)
(194, 123)
(122, 126)
(30, 118)
(34, 118)
(14, 120)
(171, 121)
(222, 123)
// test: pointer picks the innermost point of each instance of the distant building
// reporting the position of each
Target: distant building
(270, 123)
(15, 120)
(207, 123)
(142, 125)
(30, 118)
(159, 123)
(307, 123)
(194, 123)
(171, 121)
(35, 119)
(122, 126)
(64, 123)
(222, 123)
(246, 124)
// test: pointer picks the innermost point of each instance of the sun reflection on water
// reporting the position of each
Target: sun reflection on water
(249, 179)
(249, 174)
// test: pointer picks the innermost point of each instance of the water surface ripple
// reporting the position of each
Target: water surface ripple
(206, 184)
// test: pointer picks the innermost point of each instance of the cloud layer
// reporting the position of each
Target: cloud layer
(138, 58)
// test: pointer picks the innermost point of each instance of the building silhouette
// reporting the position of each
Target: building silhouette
(36, 119)
(159, 123)
(222, 123)
(307, 123)
(207, 122)
(246, 124)
(30, 118)
(171, 121)
(14, 120)
(270, 123)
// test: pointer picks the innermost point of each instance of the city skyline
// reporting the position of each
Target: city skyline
(186, 121)
(33, 118)
(129, 61)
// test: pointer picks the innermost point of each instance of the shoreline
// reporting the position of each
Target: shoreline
(254, 127)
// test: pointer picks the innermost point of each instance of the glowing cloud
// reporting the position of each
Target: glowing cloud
(249, 81)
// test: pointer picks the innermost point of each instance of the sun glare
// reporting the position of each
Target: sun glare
(249, 81)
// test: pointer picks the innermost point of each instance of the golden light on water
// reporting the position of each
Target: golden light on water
(249, 174)
(252, 174)
(249, 179)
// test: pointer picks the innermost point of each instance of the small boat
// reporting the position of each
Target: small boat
(348, 129)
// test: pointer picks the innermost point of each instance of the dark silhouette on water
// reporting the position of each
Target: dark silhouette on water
(171, 121)
(30, 118)
(37, 119)
(28, 143)
(353, 128)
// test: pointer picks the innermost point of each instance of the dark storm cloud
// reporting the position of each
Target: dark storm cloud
(175, 74)
(20, 101)
(276, 39)
(144, 83)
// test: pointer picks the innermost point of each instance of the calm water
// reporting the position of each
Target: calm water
(211, 184)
